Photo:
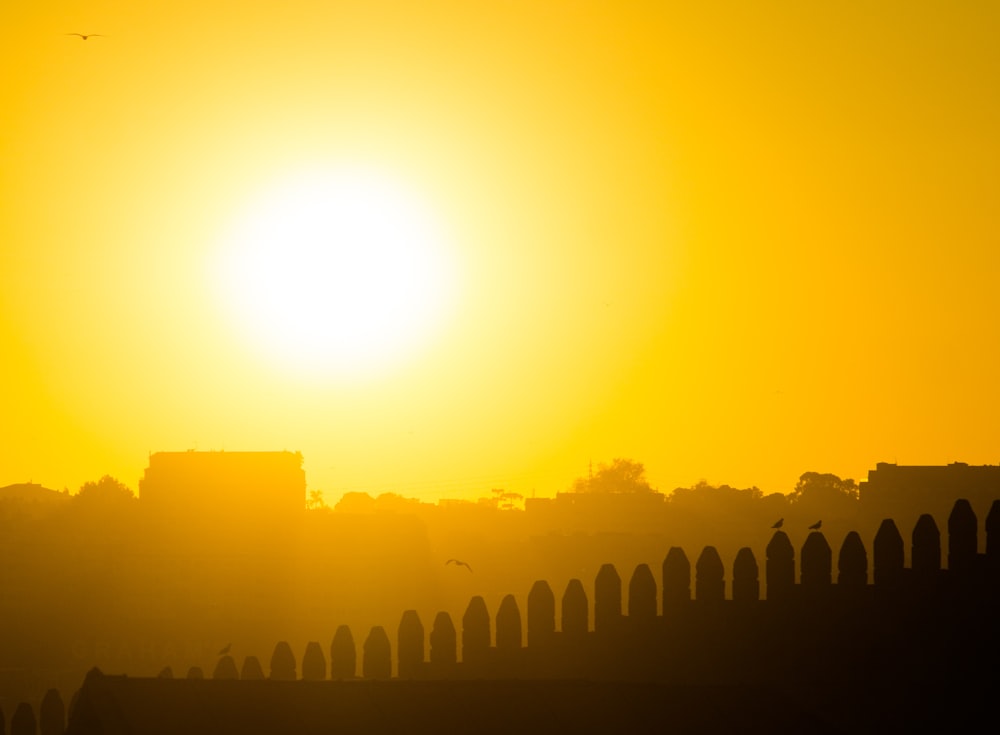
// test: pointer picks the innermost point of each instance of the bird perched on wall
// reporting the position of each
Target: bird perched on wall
(815, 526)
(456, 562)
(780, 522)
(85, 36)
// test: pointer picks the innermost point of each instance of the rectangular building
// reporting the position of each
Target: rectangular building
(219, 487)
(903, 493)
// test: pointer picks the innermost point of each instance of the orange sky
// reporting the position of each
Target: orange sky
(732, 242)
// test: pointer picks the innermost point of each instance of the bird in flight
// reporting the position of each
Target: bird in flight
(85, 36)
(779, 523)
(456, 562)
(225, 649)
(815, 526)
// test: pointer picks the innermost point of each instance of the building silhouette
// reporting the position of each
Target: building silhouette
(904, 492)
(196, 488)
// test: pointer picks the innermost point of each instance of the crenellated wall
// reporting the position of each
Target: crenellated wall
(825, 615)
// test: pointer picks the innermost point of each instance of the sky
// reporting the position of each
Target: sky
(735, 242)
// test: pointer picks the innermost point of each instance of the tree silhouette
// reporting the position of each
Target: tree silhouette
(621, 476)
(316, 501)
(826, 483)
(104, 508)
(355, 502)
(105, 492)
(723, 499)
(824, 495)
(503, 499)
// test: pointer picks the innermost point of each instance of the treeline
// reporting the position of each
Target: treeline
(823, 495)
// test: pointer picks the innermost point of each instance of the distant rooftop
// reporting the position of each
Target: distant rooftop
(218, 483)
(31, 492)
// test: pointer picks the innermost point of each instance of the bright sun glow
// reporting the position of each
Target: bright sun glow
(339, 272)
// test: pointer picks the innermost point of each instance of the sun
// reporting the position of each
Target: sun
(337, 272)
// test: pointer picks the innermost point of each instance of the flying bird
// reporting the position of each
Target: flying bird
(815, 526)
(85, 36)
(456, 562)
(225, 649)
(780, 522)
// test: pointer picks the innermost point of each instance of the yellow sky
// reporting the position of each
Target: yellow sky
(733, 241)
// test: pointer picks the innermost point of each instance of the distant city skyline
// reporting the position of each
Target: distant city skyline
(431, 491)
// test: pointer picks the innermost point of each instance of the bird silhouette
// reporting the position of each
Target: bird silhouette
(225, 649)
(815, 526)
(85, 36)
(456, 562)
(780, 522)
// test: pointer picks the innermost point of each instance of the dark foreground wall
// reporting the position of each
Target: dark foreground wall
(118, 704)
